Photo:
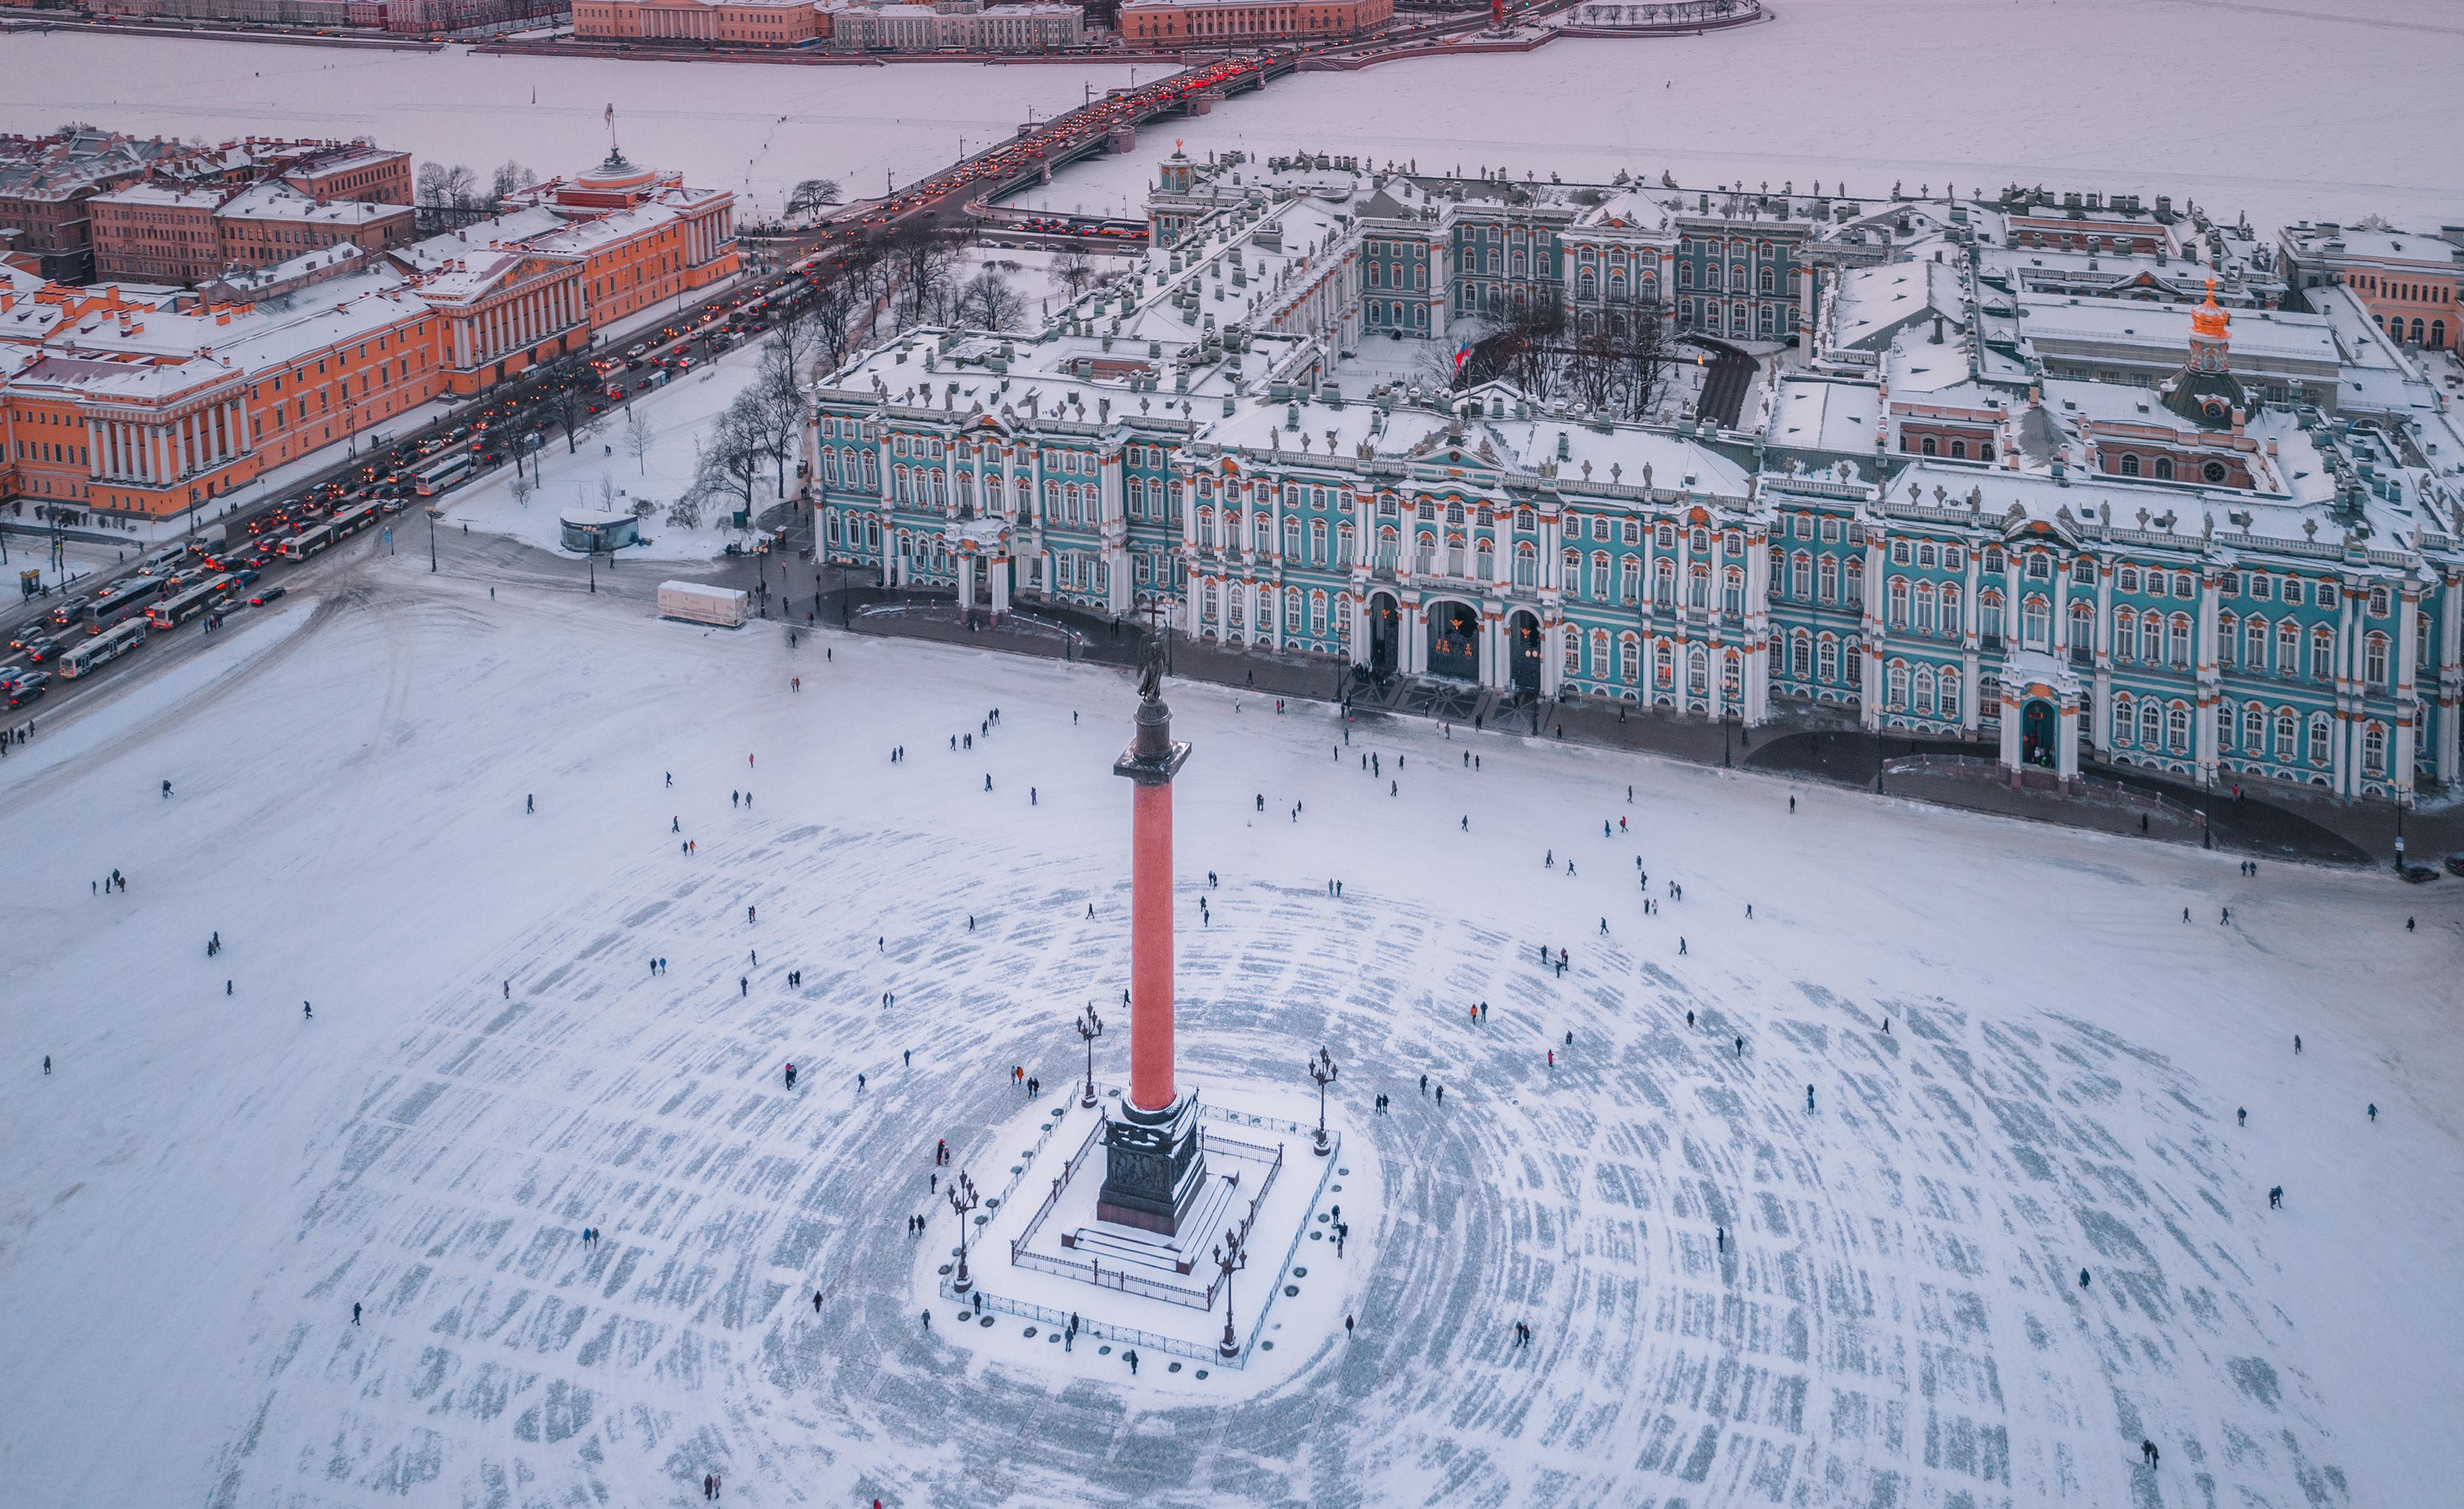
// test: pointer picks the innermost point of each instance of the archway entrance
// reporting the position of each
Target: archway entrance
(1385, 631)
(1524, 643)
(2036, 725)
(1454, 641)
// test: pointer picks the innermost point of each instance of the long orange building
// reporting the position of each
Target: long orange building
(146, 404)
(1203, 23)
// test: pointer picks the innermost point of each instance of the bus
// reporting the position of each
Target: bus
(102, 649)
(441, 472)
(307, 542)
(130, 597)
(351, 521)
(173, 612)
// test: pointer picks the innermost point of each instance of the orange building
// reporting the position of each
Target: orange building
(1206, 23)
(581, 253)
(137, 411)
(716, 23)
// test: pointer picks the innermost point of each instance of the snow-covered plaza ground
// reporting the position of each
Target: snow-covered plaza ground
(206, 1186)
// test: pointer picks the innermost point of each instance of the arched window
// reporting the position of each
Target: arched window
(1485, 560)
(1730, 667)
(1952, 708)
(2177, 728)
(1801, 576)
(1663, 583)
(2082, 634)
(1733, 591)
(2130, 466)
(2228, 639)
(1629, 580)
(1826, 659)
(2178, 653)
(2151, 639)
(1895, 684)
(1317, 541)
(2254, 645)
(2322, 738)
(2374, 734)
(1292, 540)
(1527, 565)
(1698, 587)
(2254, 729)
(2322, 654)
(2375, 651)
(1989, 619)
(1600, 576)
(2288, 736)
(2036, 623)
(1698, 682)
(1801, 654)
(1826, 579)
(2151, 723)
(2124, 730)
(1927, 445)
(1925, 690)
(1924, 619)
(1390, 544)
(1856, 583)
(1630, 658)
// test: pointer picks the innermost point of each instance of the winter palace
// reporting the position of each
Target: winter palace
(2077, 481)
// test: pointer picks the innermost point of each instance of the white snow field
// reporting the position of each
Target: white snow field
(207, 1184)
(2298, 109)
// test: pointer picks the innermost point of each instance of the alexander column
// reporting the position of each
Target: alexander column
(1152, 1167)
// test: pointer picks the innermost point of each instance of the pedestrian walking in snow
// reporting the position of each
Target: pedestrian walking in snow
(167, 791)
(46, 1063)
(2297, 1045)
(307, 1012)
(2148, 1453)
(2241, 1116)
(530, 803)
(2082, 1278)
(355, 1312)
(2275, 1198)
(1809, 1097)
(2375, 1113)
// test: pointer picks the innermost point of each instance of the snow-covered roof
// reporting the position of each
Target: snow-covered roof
(1819, 413)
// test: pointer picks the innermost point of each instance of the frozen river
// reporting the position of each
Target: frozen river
(2301, 110)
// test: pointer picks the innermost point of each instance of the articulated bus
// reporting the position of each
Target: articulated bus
(102, 649)
(441, 472)
(307, 542)
(125, 601)
(351, 521)
(173, 613)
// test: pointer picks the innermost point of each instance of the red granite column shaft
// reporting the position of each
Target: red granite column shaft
(1150, 1086)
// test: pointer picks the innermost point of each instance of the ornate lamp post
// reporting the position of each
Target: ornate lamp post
(1322, 1069)
(963, 1200)
(1232, 1257)
(1090, 1028)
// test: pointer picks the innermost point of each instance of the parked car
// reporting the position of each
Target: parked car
(2455, 862)
(269, 594)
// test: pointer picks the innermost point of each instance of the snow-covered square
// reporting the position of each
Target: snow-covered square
(257, 1256)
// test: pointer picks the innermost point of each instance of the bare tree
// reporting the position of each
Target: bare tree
(443, 187)
(988, 302)
(569, 408)
(638, 440)
(1644, 353)
(1073, 270)
(780, 406)
(509, 179)
(522, 488)
(920, 259)
(733, 460)
(839, 304)
(812, 194)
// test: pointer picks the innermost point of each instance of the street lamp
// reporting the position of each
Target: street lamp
(963, 1200)
(1232, 1257)
(1322, 1069)
(1090, 1028)
(431, 539)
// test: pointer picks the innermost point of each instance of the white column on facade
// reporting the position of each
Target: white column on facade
(1870, 673)
(2450, 648)
(2205, 670)
(2100, 711)
(2348, 704)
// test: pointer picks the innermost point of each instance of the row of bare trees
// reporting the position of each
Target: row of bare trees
(439, 187)
(1615, 360)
